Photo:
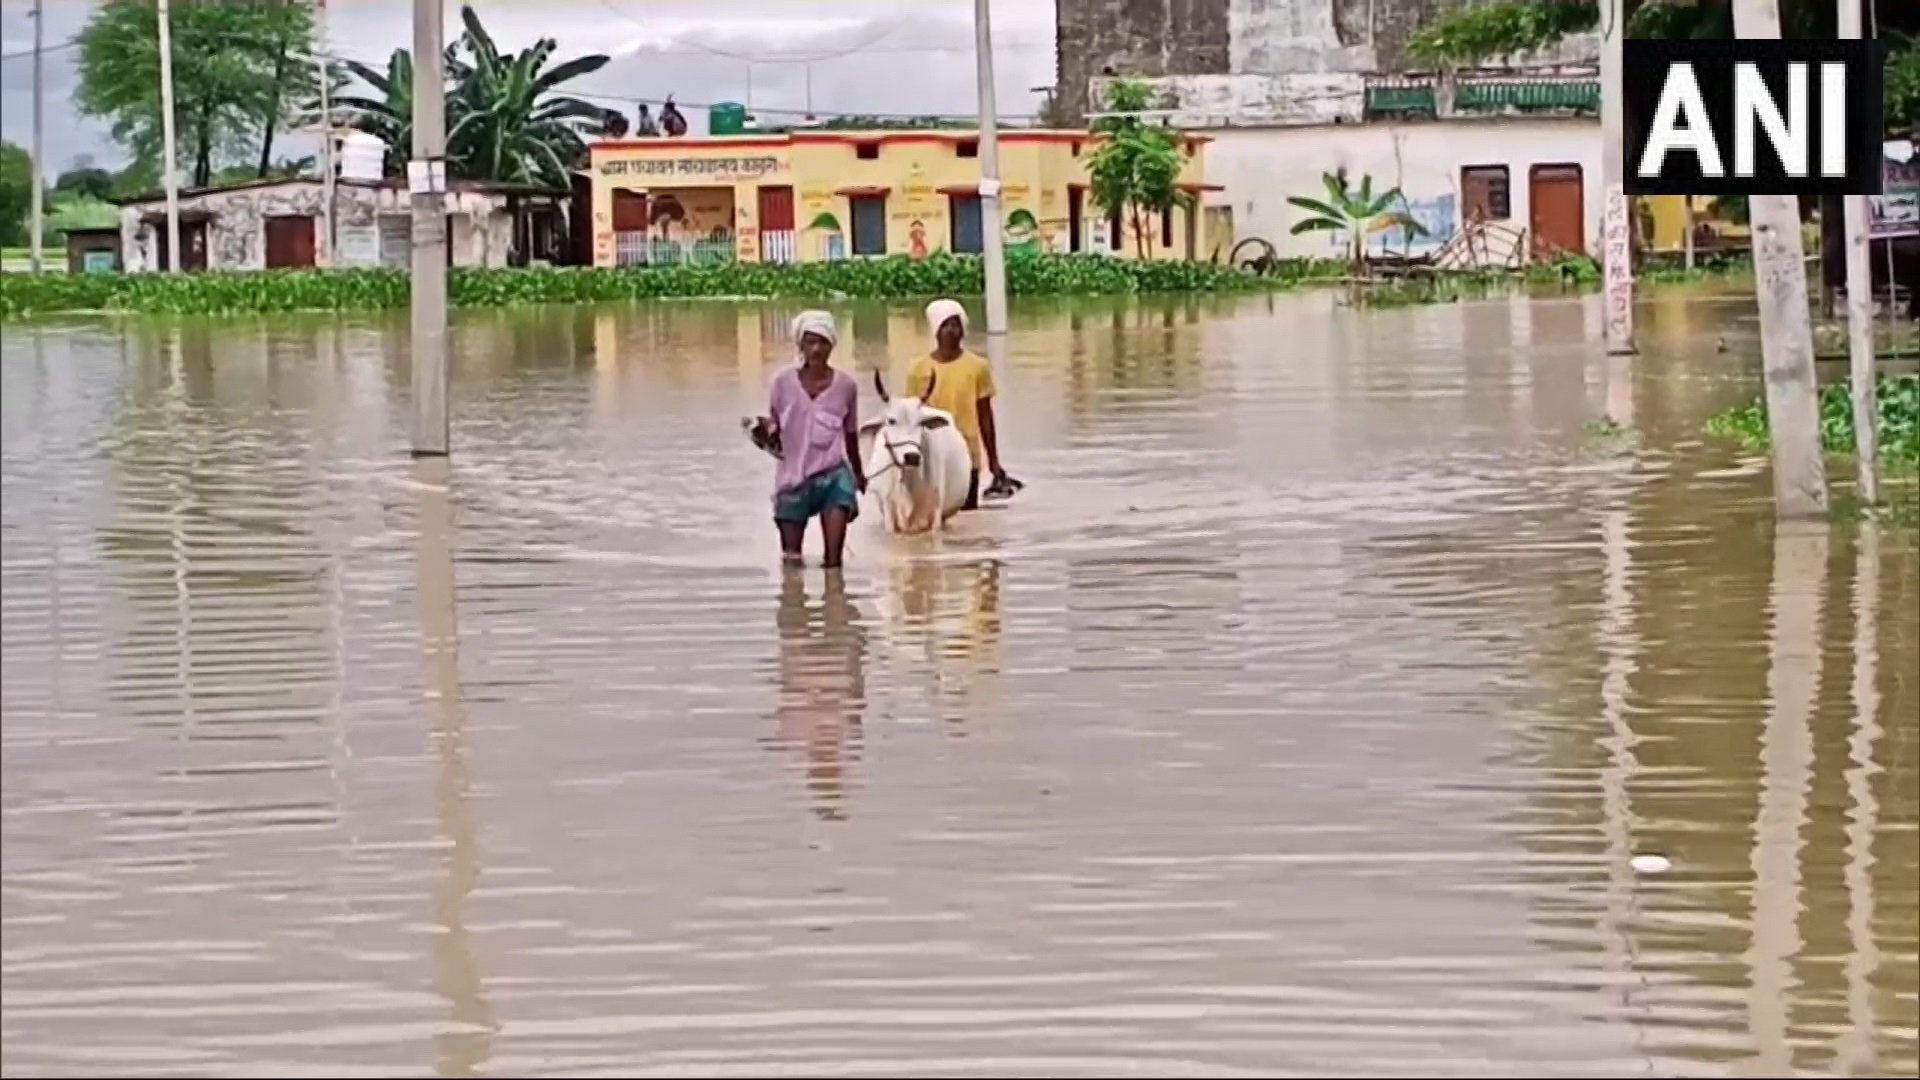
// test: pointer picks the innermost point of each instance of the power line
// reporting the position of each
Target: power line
(24, 54)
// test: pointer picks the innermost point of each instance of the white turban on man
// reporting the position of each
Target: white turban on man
(818, 323)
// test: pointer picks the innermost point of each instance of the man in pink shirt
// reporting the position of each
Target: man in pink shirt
(813, 428)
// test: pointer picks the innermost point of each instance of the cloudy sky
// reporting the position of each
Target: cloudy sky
(866, 56)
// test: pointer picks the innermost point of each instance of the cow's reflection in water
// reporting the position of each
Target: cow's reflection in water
(945, 620)
(823, 691)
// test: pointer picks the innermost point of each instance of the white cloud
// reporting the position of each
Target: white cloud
(917, 56)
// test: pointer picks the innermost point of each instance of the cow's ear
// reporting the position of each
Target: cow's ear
(933, 422)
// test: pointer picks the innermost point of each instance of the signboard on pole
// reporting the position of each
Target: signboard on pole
(1896, 210)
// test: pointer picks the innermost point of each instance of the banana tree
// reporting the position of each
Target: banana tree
(503, 120)
(1357, 214)
(508, 124)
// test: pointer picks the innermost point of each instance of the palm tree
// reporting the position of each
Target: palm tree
(504, 122)
(1357, 214)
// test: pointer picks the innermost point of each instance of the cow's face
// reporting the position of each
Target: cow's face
(904, 426)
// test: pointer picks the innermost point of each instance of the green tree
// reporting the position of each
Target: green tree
(1357, 214)
(87, 181)
(16, 193)
(1476, 33)
(504, 120)
(1134, 167)
(237, 71)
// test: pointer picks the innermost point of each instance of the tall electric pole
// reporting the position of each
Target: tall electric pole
(427, 181)
(1860, 366)
(991, 240)
(1616, 250)
(37, 216)
(326, 135)
(1786, 331)
(171, 177)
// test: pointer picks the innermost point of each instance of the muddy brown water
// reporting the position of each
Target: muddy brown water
(1301, 717)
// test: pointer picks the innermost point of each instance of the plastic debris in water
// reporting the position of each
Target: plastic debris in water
(1651, 864)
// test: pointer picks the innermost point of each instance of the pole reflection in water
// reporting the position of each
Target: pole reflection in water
(822, 692)
(1786, 771)
(464, 1046)
(1863, 956)
(1620, 646)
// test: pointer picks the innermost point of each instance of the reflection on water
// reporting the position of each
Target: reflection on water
(1302, 715)
(822, 686)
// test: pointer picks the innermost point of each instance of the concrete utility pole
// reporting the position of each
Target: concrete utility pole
(1687, 223)
(1616, 250)
(171, 177)
(427, 180)
(38, 215)
(1860, 367)
(991, 240)
(326, 135)
(1786, 330)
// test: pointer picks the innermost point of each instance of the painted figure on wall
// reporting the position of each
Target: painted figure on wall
(668, 218)
(917, 240)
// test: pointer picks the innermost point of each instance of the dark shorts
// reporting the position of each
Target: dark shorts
(821, 492)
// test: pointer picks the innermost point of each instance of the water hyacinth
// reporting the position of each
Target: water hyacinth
(894, 277)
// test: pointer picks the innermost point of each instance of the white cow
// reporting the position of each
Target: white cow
(917, 463)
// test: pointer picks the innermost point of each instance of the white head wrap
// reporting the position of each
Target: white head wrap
(940, 311)
(815, 322)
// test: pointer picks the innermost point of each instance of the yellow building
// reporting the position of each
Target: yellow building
(1668, 217)
(816, 195)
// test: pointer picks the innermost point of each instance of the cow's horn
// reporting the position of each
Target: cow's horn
(880, 385)
(927, 394)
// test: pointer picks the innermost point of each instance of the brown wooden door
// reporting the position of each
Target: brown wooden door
(289, 242)
(629, 211)
(1557, 218)
(776, 208)
(193, 246)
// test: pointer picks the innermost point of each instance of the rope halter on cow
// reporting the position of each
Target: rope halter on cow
(919, 437)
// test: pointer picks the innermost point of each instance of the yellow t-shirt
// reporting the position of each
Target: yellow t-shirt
(961, 384)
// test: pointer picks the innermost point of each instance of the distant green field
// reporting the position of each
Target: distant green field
(20, 260)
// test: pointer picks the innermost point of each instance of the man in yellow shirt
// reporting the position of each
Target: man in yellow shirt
(962, 386)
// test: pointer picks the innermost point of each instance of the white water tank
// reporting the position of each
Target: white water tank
(362, 156)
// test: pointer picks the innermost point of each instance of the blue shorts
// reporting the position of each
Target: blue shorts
(820, 493)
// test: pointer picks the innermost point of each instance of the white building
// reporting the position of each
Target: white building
(277, 224)
(1520, 149)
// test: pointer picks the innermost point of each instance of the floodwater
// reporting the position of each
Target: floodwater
(1301, 717)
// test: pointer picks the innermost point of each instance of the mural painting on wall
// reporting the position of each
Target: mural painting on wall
(693, 221)
(917, 239)
(1023, 231)
(1435, 213)
(824, 229)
